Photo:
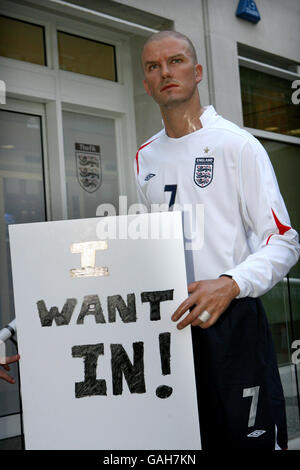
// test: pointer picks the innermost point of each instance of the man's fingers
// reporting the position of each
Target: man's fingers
(11, 359)
(188, 303)
(8, 360)
(6, 377)
(190, 318)
(206, 323)
(192, 286)
(183, 307)
(214, 315)
(212, 295)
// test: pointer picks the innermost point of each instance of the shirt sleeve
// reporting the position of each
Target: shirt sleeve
(275, 244)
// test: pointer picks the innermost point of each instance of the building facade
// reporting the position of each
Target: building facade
(71, 123)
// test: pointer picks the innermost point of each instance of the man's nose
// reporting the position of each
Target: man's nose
(165, 71)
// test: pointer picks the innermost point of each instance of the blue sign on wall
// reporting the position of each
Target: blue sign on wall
(247, 10)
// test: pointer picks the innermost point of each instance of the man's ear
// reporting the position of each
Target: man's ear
(198, 72)
(147, 88)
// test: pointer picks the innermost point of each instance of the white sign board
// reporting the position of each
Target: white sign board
(102, 364)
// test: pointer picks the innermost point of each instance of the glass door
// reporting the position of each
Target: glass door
(282, 302)
(22, 200)
(91, 163)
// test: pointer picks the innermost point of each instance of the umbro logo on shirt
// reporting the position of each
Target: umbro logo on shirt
(256, 433)
(148, 177)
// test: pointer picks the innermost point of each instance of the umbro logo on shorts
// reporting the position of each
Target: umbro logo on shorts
(148, 177)
(256, 433)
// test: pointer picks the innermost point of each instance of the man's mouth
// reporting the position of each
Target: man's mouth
(170, 85)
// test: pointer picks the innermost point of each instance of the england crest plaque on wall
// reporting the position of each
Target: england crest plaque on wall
(88, 165)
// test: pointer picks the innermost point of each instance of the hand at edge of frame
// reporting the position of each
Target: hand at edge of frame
(213, 295)
(4, 375)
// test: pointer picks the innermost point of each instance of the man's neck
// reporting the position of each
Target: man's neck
(182, 119)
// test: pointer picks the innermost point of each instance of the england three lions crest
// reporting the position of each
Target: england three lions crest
(88, 165)
(203, 171)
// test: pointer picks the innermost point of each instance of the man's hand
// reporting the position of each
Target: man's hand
(4, 375)
(214, 296)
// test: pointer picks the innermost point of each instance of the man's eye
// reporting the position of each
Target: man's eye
(152, 67)
(176, 61)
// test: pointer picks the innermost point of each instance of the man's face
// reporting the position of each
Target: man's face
(171, 77)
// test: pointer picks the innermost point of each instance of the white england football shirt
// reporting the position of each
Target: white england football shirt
(226, 171)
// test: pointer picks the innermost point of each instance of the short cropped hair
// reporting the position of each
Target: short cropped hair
(174, 34)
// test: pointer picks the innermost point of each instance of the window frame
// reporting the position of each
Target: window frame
(93, 34)
(118, 134)
(11, 422)
(287, 281)
(35, 109)
(59, 89)
(33, 24)
(259, 133)
(95, 41)
(278, 72)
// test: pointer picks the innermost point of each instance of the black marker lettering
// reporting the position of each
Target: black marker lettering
(127, 312)
(155, 298)
(90, 386)
(164, 391)
(91, 306)
(61, 318)
(133, 373)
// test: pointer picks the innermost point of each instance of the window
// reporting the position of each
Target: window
(91, 163)
(85, 56)
(22, 196)
(22, 41)
(282, 302)
(267, 104)
(285, 159)
(270, 115)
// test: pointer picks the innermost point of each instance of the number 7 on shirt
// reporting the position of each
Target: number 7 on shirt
(172, 188)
